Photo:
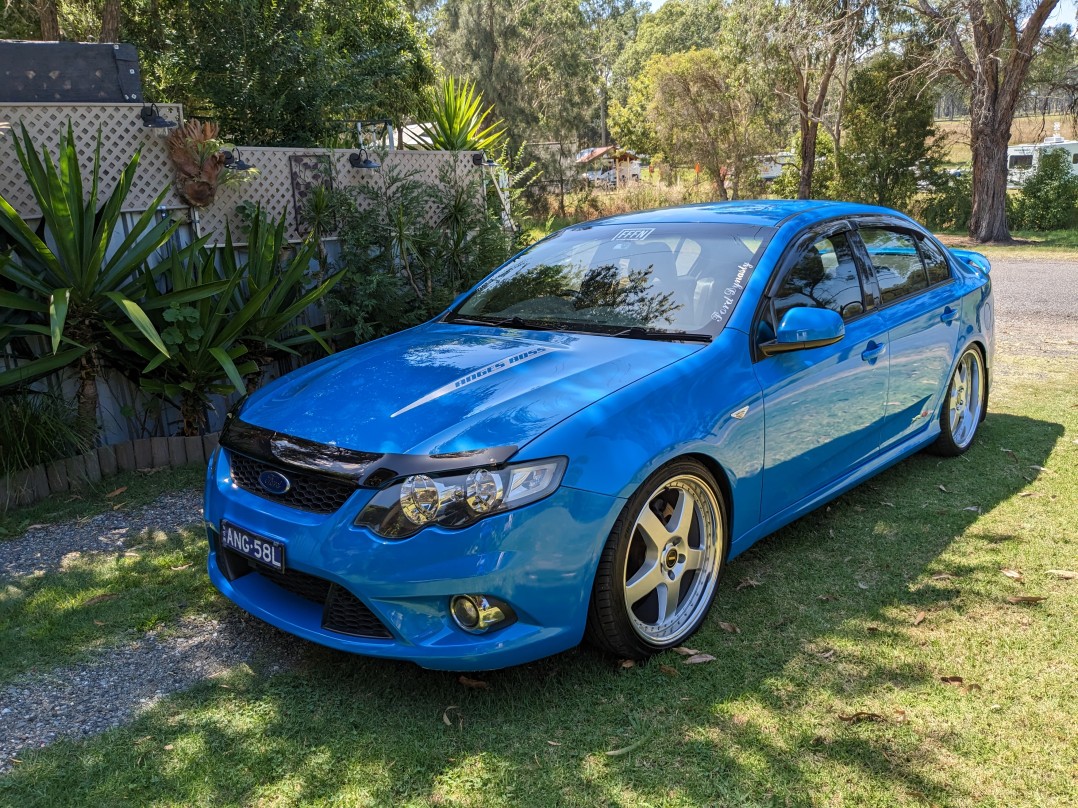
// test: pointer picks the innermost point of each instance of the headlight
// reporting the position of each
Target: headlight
(458, 500)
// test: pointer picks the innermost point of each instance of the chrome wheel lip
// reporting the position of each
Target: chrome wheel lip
(965, 397)
(695, 600)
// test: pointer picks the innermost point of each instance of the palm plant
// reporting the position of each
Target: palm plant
(458, 121)
(67, 275)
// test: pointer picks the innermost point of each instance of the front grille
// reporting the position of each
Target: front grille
(342, 611)
(317, 493)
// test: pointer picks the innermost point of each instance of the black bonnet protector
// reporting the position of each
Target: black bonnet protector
(365, 469)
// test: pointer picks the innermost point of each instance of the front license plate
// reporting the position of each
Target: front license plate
(248, 545)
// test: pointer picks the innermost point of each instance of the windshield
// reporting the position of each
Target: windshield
(671, 278)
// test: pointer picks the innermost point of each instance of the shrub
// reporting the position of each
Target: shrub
(39, 427)
(1049, 198)
(949, 205)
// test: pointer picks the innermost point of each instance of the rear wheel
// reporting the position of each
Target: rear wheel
(963, 406)
(659, 570)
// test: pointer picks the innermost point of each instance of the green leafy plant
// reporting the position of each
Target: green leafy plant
(36, 427)
(203, 333)
(1049, 198)
(458, 121)
(271, 263)
(67, 275)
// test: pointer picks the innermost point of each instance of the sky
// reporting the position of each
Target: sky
(1065, 11)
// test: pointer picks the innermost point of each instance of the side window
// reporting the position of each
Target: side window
(825, 276)
(935, 263)
(898, 265)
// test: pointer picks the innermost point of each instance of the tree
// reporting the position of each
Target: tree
(675, 27)
(611, 25)
(890, 137)
(989, 47)
(526, 57)
(709, 107)
(110, 21)
(808, 41)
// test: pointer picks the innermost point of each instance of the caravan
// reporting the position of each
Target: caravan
(1023, 160)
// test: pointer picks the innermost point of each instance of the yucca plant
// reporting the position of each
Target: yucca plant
(271, 263)
(458, 121)
(203, 333)
(67, 275)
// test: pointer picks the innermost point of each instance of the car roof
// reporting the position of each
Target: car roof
(758, 212)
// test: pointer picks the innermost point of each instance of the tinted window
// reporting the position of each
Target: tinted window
(935, 263)
(670, 277)
(898, 266)
(1020, 161)
(825, 276)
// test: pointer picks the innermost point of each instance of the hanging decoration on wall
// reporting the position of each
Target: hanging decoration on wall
(203, 162)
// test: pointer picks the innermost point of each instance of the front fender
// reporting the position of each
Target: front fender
(628, 435)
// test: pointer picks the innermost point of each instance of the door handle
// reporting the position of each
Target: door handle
(874, 351)
(949, 314)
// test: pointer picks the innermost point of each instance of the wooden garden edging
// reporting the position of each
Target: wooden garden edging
(75, 473)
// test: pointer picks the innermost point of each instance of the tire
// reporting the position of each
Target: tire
(963, 405)
(629, 614)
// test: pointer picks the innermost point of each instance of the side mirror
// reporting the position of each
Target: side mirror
(804, 327)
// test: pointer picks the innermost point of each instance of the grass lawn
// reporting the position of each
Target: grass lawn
(832, 684)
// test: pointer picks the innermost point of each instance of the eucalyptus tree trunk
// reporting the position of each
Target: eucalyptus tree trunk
(988, 221)
(48, 19)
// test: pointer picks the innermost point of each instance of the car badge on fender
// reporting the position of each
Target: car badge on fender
(273, 482)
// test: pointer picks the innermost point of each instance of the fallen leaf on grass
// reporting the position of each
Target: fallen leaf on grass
(447, 720)
(1025, 599)
(862, 585)
(826, 654)
(624, 750)
(169, 747)
(858, 717)
(729, 628)
(698, 658)
(900, 716)
(1042, 468)
(1011, 453)
(872, 629)
(35, 527)
(625, 664)
(944, 489)
(826, 597)
(952, 680)
(888, 504)
(974, 508)
(685, 651)
(1029, 494)
(475, 684)
(1014, 575)
(942, 576)
(920, 618)
(99, 599)
(747, 582)
(1066, 575)
(553, 743)
(116, 493)
(181, 567)
(99, 623)
(669, 670)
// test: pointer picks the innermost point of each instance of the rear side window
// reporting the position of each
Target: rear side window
(898, 265)
(824, 276)
(935, 263)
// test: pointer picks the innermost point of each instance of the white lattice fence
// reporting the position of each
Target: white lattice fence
(122, 133)
(284, 174)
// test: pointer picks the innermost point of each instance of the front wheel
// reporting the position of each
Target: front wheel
(963, 406)
(659, 570)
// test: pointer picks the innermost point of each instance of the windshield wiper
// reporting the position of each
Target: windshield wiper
(639, 332)
(516, 321)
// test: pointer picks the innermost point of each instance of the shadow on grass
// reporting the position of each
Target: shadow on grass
(825, 616)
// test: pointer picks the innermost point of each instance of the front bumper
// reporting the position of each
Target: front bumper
(540, 559)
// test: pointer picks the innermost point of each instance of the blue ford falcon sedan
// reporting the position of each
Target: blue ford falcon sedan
(581, 443)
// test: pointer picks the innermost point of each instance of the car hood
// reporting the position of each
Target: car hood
(443, 388)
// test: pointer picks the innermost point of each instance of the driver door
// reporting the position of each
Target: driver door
(823, 406)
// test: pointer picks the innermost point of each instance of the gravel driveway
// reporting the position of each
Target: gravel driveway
(1037, 315)
(1036, 306)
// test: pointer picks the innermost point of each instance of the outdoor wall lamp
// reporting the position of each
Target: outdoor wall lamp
(152, 119)
(361, 159)
(234, 161)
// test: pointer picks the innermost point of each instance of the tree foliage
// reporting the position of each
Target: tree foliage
(1049, 198)
(890, 138)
